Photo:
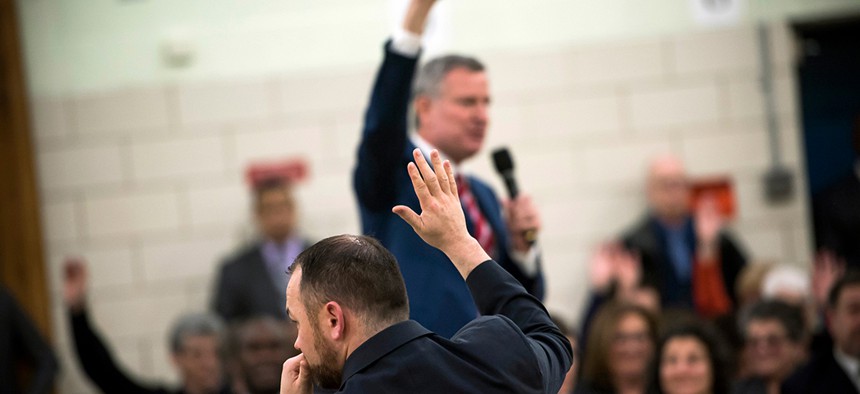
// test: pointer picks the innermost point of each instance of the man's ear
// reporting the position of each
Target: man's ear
(335, 322)
(422, 106)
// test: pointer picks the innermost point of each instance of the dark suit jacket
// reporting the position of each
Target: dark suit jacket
(244, 287)
(438, 298)
(513, 348)
(837, 219)
(821, 375)
(648, 240)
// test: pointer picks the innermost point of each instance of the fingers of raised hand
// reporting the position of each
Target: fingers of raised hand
(440, 172)
(430, 179)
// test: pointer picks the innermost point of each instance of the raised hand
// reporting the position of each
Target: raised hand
(416, 15)
(74, 283)
(295, 377)
(441, 223)
(709, 224)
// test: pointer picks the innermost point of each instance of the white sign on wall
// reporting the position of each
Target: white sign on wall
(717, 12)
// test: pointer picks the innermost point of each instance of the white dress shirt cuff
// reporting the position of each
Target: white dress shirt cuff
(527, 261)
(406, 43)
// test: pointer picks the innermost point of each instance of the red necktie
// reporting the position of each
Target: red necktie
(481, 227)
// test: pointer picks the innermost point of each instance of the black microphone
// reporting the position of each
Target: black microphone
(505, 167)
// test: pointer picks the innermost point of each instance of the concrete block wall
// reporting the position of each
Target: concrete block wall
(146, 182)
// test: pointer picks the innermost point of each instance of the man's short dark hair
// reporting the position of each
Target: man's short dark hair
(358, 273)
(789, 316)
(851, 278)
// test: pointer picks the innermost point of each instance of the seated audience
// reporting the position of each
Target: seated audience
(776, 339)
(620, 348)
(20, 340)
(691, 260)
(259, 346)
(838, 369)
(195, 346)
(690, 359)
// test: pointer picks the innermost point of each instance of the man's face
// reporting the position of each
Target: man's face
(771, 353)
(456, 120)
(668, 189)
(325, 367)
(845, 321)
(263, 348)
(199, 362)
(276, 214)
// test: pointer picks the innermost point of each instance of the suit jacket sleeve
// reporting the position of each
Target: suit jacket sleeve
(496, 292)
(98, 363)
(733, 260)
(384, 136)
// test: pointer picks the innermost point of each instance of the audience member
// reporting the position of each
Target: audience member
(776, 340)
(259, 345)
(691, 261)
(195, 346)
(20, 340)
(837, 370)
(615, 276)
(349, 300)
(252, 282)
(450, 99)
(837, 213)
(690, 359)
(619, 350)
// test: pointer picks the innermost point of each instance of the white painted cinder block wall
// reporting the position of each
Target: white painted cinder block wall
(146, 182)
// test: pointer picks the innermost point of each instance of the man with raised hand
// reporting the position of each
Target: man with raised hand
(349, 303)
(450, 101)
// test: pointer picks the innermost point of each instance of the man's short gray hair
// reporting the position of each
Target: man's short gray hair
(192, 324)
(430, 76)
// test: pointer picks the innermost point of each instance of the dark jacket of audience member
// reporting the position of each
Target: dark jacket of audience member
(20, 340)
(824, 373)
(648, 239)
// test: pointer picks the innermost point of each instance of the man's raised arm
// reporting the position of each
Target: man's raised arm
(384, 136)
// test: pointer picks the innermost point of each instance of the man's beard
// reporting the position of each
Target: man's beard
(326, 374)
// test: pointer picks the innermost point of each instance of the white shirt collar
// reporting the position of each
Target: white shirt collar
(849, 364)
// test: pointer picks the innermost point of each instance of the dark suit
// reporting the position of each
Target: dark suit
(438, 298)
(244, 287)
(821, 375)
(513, 348)
(649, 241)
(837, 219)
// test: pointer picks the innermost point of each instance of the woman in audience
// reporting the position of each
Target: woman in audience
(690, 360)
(776, 342)
(620, 348)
